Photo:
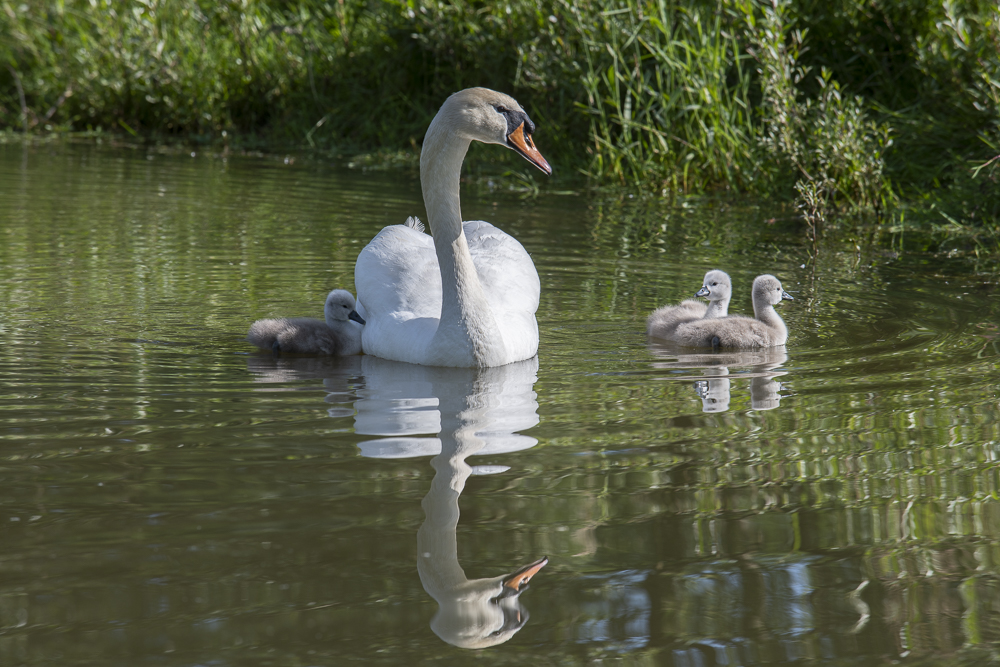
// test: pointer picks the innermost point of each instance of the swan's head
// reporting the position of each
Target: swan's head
(340, 307)
(717, 286)
(767, 289)
(481, 114)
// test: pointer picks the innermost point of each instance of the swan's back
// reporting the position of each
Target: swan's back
(397, 274)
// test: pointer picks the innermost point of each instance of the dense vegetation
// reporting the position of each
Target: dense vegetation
(840, 105)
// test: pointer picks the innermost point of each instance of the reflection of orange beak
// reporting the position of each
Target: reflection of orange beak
(520, 578)
(523, 144)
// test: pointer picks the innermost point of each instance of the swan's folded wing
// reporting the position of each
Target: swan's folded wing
(505, 269)
(510, 283)
(397, 276)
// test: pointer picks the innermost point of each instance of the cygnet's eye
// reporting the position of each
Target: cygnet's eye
(714, 284)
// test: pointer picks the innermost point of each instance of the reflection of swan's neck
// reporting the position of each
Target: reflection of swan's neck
(467, 323)
(467, 614)
(437, 543)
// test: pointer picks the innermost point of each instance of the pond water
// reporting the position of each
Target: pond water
(169, 496)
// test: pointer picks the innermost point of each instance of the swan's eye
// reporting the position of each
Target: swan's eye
(501, 109)
(714, 284)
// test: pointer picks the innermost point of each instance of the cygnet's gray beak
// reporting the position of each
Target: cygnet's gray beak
(786, 295)
(353, 315)
(704, 291)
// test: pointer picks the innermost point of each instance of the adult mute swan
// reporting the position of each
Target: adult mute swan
(765, 329)
(340, 334)
(717, 287)
(466, 296)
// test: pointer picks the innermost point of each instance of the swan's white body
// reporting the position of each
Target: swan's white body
(466, 296)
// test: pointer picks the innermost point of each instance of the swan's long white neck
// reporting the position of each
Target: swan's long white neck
(467, 323)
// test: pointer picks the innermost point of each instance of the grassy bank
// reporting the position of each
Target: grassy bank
(884, 109)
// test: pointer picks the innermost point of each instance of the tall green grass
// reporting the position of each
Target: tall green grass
(668, 97)
(874, 108)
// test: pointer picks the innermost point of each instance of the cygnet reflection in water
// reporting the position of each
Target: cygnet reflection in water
(341, 377)
(451, 414)
(713, 387)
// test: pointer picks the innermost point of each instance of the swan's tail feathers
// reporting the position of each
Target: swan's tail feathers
(413, 222)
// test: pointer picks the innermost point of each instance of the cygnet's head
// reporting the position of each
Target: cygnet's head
(767, 289)
(717, 286)
(340, 307)
(485, 115)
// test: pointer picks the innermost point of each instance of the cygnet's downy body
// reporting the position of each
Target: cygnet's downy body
(339, 335)
(717, 287)
(765, 329)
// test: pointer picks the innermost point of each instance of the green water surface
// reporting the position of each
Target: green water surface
(169, 496)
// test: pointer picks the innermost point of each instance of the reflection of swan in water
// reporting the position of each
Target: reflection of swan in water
(404, 401)
(472, 411)
(341, 377)
(714, 384)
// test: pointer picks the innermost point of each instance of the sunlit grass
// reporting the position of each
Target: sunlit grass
(845, 108)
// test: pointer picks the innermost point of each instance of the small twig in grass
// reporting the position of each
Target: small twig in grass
(976, 170)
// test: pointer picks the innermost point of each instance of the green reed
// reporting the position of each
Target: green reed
(667, 98)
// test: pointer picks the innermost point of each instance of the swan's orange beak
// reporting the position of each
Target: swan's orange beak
(523, 144)
(520, 578)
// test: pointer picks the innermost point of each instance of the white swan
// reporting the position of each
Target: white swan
(717, 286)
(340, 334)
(765, 329)
(468, 296)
